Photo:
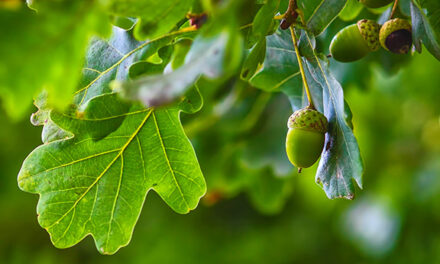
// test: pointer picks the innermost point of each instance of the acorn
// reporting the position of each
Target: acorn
(375, 3)
(395, 36)
(355, 41)
(306, 136)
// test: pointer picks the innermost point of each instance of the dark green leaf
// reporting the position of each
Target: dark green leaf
(340, 160)
(351, 10)
(156, 17)
(318, 14)
(280, 70)
(264, 19)
(425, 18)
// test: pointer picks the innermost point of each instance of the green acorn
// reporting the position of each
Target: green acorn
(306, 136)
(375, 3)
(355, 41)
(395, 36)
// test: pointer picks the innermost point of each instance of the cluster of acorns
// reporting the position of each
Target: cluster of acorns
(356, 41)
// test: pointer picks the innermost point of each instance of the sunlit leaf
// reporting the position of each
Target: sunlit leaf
(98, 187)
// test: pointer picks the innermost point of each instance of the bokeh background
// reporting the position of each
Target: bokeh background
(394, 219)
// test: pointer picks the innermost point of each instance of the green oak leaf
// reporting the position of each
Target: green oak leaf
(254, 59)
(126, 23)
(340, 160)
(45, 49)
(318, 14)
(280, 70)
(51, 131)
(263, 21)
(425, 18)
(155, 17)
(97, 187)
(351, 10)
(106, 60)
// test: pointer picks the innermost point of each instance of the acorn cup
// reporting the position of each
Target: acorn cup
(355, 41)
(375, 3)
(395, 36)
(306, 136)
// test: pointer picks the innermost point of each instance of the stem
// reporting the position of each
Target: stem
(301, 69)
(396, 3)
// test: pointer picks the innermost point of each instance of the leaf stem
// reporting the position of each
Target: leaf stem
(301, 69)
(396, 3)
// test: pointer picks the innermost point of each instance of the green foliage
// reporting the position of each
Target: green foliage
(318, 14)
(111, 113)
(351, 10)
(341, 150)
(155, 17)
(206, 57)
(92, 186)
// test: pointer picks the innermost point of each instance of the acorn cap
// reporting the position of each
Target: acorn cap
(395, 35)
(308, 119)
(369, 30)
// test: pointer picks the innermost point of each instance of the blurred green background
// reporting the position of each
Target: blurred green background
(395, 219)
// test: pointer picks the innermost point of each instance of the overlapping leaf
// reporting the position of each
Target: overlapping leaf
(156, 17)
(318, 14)
(351, 10)
(425, 18)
